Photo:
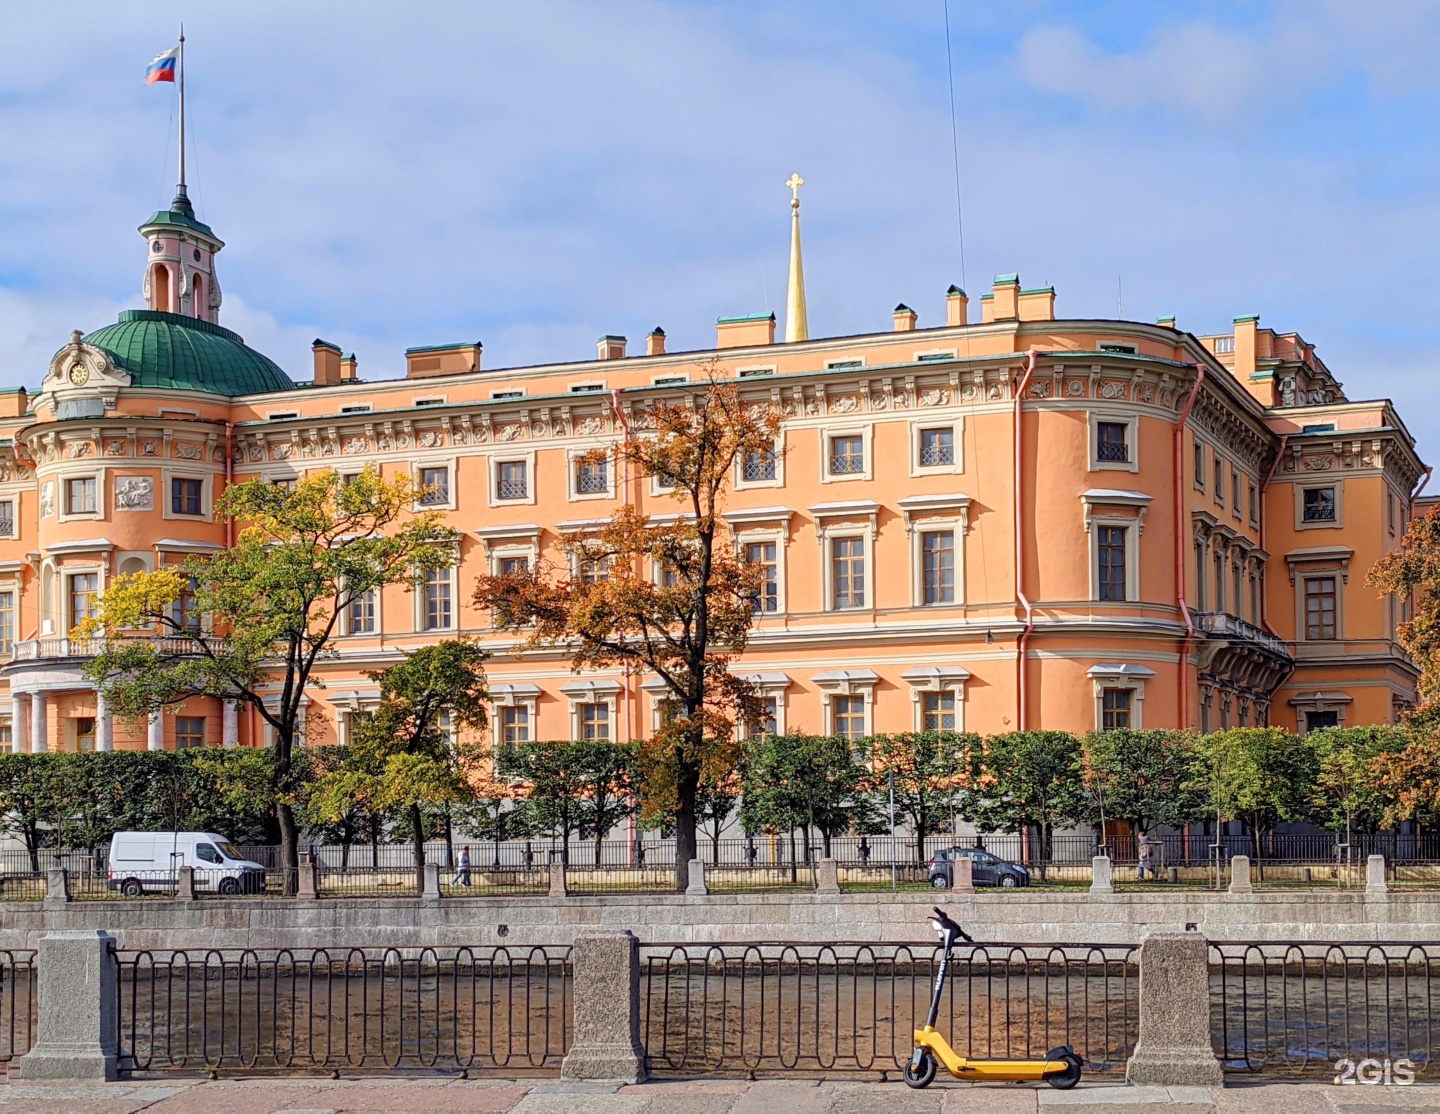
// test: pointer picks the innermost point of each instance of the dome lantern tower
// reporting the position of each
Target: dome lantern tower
(180, 271)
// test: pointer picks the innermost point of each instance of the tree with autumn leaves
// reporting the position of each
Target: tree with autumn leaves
(672, 600)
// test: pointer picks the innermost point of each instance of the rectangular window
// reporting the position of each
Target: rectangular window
(515, 725)
(1319, 504)
(7, 621)
(937, 446)
(937, 561)
(182, 611)
(586, 388)
(189, 732)
(1111, 558)
(1219, 582)
(507, 394)
(592, 477)
(849, 716)
(1200, 576)
(594, 721)
(1219, 480)
(1314, 721)
(769, 715)
(1254, 504)
(1320, 608)
(514, 566)
(847, 455)
(7, 518)
(437, 599)
(1115, 710)
(80, 495)
(759, 465)
(1118, 349)
(848, 572)
(1389, 511)
(419, 402)
(1200, 465)
(1110, 443)
(761, 555)
(753, 371)
(358, 408)
(85, 733)
(1235, 502)
(513, 480)
(434, 487)
(362, 613)
(184, 496)
(937, 711)
(83, 587)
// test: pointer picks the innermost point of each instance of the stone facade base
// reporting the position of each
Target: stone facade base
(1174, 1067)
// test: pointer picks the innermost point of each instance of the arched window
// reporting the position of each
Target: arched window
(160, 288)
(197, 297)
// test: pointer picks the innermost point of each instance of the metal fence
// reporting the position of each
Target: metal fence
(17, 1004)
(747, 1008)
(456, 1009)
(1296, 1010)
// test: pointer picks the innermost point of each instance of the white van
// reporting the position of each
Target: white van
(141, 861)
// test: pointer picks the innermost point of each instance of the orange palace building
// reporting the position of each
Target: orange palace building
(1007, 520)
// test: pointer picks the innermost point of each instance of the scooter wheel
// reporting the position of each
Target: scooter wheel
(1064, 1080)
(925, 1073)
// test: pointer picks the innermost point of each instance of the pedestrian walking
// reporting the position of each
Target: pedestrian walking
(462, 873)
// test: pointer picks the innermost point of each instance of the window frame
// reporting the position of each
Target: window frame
(845, 521)
(377, 625)
(422, 602)
(452, 482)
(1095, 418)
(1112, 677)
(828, 434)
(742, 484)
(918, 428)
(1303, 597)
(865, 559)
(1103, 509)
(1337, 485)
(572, 475)
(771, 538)
(64, 513)
(203, 735)
(494, 464)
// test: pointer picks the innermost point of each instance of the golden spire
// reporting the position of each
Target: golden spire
(796, 326)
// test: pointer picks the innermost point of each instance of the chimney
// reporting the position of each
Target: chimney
(745, 332)
(957, 306)
(655, 342)
(442, 359)
(1036, 304)
(611, 348)
(905, 318)
(348, 368)
(327, 363)
(13, 402)
(1246, 348)
(1165, 322)
(1002, 303)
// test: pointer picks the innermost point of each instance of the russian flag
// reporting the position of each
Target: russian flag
(162, 67)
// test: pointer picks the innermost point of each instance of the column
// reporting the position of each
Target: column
(40, 735)
(19, 722)
(104, 723)
(155, 732)
(229, 724)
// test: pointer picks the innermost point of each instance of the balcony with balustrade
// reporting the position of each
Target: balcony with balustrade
(1241, 653)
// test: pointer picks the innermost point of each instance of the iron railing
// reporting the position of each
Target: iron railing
(17, 1004)
(760, 1008)
(348, 1008)
(1294, 1010)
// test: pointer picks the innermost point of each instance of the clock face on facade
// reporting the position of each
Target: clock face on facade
(79, 374)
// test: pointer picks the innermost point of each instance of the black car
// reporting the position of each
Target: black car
(985, 869)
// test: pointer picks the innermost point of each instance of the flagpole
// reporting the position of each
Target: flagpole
(182, 108)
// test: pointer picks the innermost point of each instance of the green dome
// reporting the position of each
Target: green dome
(179, 353)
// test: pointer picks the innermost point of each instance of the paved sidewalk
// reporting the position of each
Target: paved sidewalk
(308, 1095)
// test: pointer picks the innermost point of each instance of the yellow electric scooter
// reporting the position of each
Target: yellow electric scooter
(1060, 1068)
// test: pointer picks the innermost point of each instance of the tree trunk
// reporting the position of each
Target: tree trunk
(687, 788)
(417, 842)
(289, 847)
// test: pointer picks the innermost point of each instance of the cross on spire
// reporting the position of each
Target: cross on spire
(795, 182)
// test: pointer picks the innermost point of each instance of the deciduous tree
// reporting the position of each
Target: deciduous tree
(927, 771)
(1025, 779)
(579, 787)
(1143, 778)
(800, 781)
(672, 599)
(252, 623)
(1258, 775)
(1413, 572)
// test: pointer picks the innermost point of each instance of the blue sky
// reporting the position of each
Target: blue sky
(534, 175)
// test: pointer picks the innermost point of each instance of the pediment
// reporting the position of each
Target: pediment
(83, 371)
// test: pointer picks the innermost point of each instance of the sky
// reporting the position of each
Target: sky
(536, 175)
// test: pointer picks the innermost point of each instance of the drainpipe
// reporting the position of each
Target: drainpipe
(1265, 483)
(229, 479)
(1021, 672)
(1183, 669)
(1425, 479)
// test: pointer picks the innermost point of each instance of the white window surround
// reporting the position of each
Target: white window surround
(515, 694)
(845, 362)
(592, 692)
(658, 691)
(351, 703)
(589, 386)
(419, 596)
(772, 686)
(742, 484)
(504, 393)
(934, 355)
(754, 370)
(62, 499)
(936, 678)
(379, 617)
(845, 520)
(207, 488)
(865, 431)
(848, 682)
(673, 379)
(941, 512)
(1132, 445)
(1125, 509)
(429, 400)
(493, 482)
(1122, 675)
(451, 481)
(1311, 485)
(957, 427)
(1321, 701)
(572, 459)
(779, 538)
